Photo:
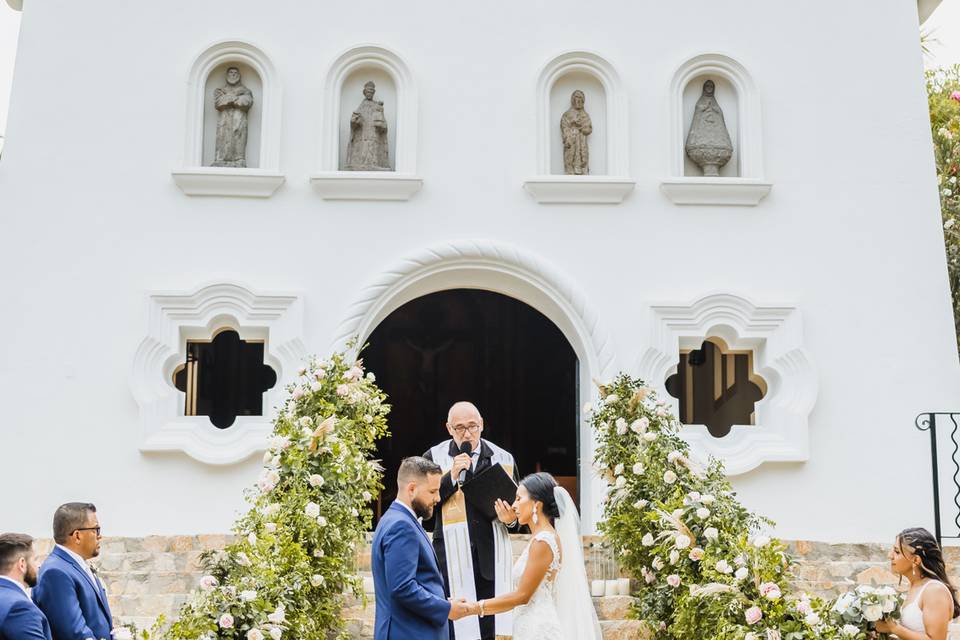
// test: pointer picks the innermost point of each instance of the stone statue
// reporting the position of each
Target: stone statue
(575, 126)
(708, 143)
(233, 101)
(367, 150)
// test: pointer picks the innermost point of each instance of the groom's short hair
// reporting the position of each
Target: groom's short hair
(415, 469)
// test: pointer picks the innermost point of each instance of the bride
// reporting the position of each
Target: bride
(550, 594)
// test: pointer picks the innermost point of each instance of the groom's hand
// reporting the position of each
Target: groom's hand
(459, 608)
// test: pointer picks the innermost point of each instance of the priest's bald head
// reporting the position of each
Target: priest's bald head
(465, 424)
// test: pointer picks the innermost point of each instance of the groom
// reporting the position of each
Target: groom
(410, 601)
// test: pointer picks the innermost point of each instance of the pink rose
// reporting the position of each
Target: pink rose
(208, 583)
(673, 580)
(753, 615)
(297, 393)
(226, 621)
(696, 554)
(342, 389)
(955, 96)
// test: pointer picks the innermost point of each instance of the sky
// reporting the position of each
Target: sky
(943, 26)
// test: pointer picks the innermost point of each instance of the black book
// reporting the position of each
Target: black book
(483, 490)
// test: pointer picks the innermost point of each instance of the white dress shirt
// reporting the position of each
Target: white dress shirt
(83, 563)
(410, 509)
(19, 584)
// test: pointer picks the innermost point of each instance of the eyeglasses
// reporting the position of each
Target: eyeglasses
(472, 428)
(97, 529)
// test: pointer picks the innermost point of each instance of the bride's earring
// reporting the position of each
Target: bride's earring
(536, 519)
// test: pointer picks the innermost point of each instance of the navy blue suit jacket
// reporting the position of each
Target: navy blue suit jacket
(407, 582)
(76, 607)
(20, 619)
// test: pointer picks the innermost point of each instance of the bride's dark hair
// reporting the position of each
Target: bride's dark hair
(925, 546)
(540, 486)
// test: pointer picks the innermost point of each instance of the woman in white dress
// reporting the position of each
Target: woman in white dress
(550, 597)
(931, 602)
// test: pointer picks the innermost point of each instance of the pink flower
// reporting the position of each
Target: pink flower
(696, 554)
(753, 615)
(955, 96)
(770, 591)
(342, 389)
(208, 583)
(226, 621)
(673, 580)
(297, 393)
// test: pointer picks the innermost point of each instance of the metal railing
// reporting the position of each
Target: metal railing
(944, 429)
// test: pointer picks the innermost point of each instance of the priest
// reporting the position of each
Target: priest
(475, 554)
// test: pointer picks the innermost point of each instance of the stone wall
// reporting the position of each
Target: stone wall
(146, 577)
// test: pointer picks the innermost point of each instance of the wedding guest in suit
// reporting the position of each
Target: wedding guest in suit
(68, 592)
(20, 619)
(409, 589)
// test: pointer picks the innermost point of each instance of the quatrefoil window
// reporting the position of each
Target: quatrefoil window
(717, 387)
(224, 378)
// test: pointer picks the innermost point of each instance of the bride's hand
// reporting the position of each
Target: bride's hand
(505, 513)
(886, 626)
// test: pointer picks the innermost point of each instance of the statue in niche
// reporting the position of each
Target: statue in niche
(575, 126)
(232, 101)
(367, 150)
(708, 143)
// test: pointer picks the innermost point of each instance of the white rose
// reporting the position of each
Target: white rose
(248, 596)
(312, 510)
(354, 512)
(243, 560)
(638, 469)
(872, 612)
(761, 541)
(618, 470)
(270, 526)
(621, 426)
(674, 556)
(812, 619)
(279, 616)
(276, 633)
(669, 477)
(271, 509)
(208, 583)
(366, 496)
(621, 482)
(316, 385)
(850, 631)
(641, 504)
(673, 456)
(637, 426)
(658, 564)
(703, 513)
(316, 580)
(650, 436)
(724, 567)
(316, 480)
(252, 539)
(321, 521)
(681, 541)
(741, 573)
(122, 633)
(711, 533)
(647, 540)
(254, 634)
(707, 499)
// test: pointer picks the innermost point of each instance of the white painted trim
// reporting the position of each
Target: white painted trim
(174, 317)
(617, 129)
(749, 141)
(925, 8)
(225, 181)
(506, 269)
(775, 334)
(368, 185)
(715, 191)
(365, 185)
(578, 189)
(16, 5)
(270, 105)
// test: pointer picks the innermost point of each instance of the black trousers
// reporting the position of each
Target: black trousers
(486, 589)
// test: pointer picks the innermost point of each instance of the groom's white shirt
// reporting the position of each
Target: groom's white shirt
(410, 509)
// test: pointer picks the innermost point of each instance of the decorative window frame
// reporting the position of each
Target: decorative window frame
(610, 188)
(332, 183)
(197, 180)
(775, 334)
(750, 187)
(174, 318)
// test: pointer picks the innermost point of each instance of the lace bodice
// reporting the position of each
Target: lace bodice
(538, 619)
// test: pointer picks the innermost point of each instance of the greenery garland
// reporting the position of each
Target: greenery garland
(292, 563)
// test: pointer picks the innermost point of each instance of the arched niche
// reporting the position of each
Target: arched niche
(343, 92)
(741, 180)
(606, 102)
(262, 175)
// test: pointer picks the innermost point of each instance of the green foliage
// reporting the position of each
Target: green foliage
(293, 559)
(706, 568)
(943, 93)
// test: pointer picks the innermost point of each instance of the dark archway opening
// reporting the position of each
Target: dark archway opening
(501, 354)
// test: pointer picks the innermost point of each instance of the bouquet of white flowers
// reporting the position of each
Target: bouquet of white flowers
(857, 612)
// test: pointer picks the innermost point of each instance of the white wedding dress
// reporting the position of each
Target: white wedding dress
(561, 607)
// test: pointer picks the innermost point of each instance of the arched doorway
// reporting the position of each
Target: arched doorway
(500, 353)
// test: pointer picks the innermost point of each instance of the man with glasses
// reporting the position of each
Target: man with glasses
(68, 592)
(478, 560)
(20, 619)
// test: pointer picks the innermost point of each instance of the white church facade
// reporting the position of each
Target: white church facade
(793, 309)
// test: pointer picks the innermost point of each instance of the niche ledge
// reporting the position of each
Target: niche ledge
(579, 189)
(226, 181)
(365, 185)
(744, 192)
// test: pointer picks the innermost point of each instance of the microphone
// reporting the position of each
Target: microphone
(467, 449)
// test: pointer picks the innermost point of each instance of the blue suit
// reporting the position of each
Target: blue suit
(19, 617)
(76, 606)
(409, 588)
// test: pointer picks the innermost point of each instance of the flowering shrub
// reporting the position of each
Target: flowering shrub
(706, 568)
(943, 92)
(287, 573)
(857, 612)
